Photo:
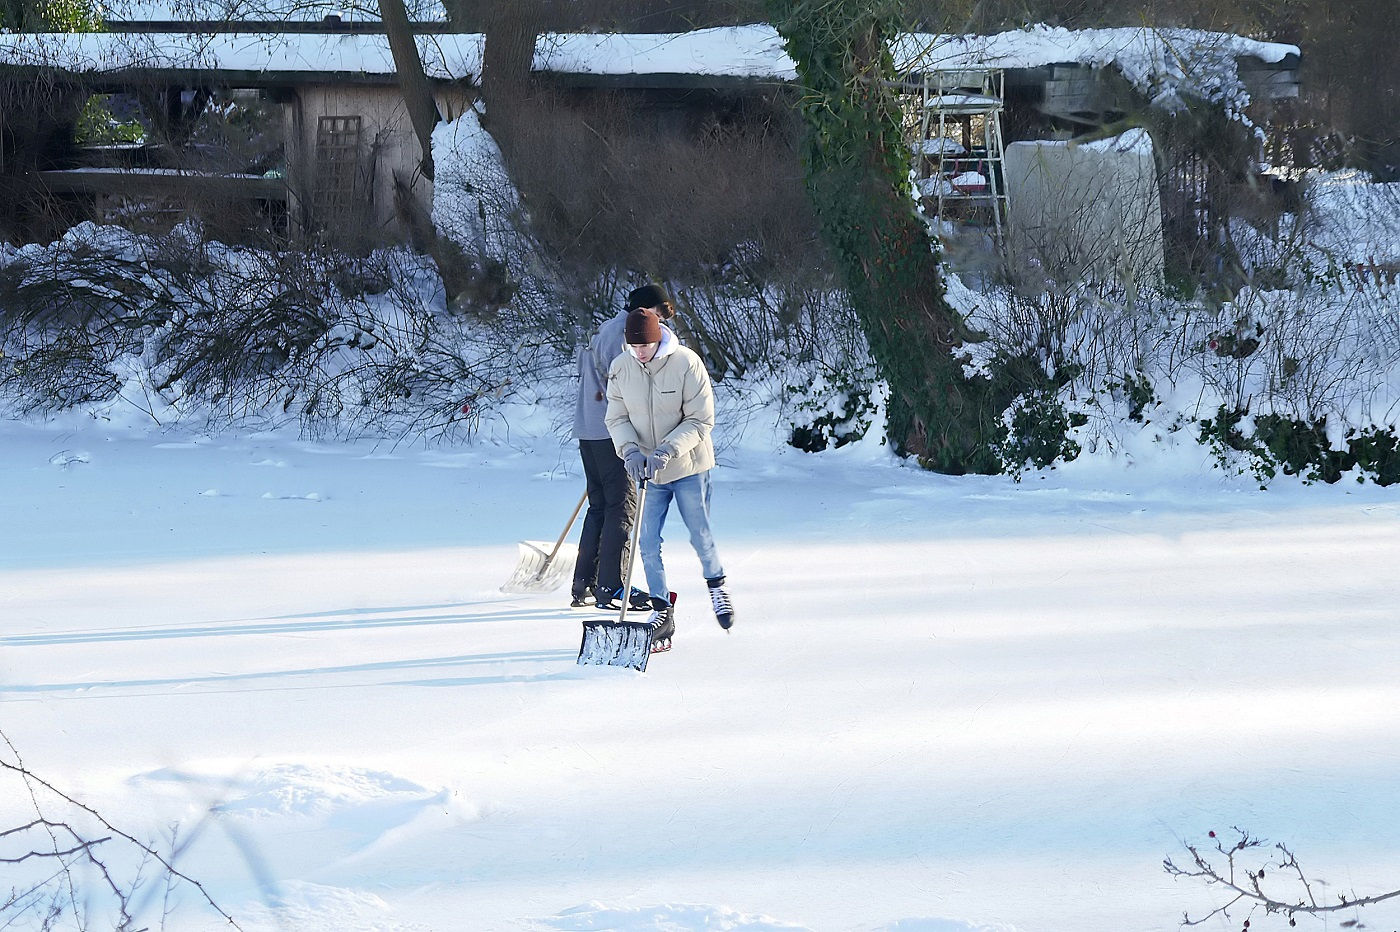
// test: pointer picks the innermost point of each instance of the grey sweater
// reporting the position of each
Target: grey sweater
(593, 362)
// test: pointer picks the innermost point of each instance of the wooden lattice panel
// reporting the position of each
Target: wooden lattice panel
(337, 168)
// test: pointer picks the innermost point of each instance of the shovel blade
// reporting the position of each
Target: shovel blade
(535, 572)
(616, 644)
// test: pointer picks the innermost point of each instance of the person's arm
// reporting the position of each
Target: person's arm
(585, 368)
(697, 411)
(605, 346)
(595, 356)
(619, 421)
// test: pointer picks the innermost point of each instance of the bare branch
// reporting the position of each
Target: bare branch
(1289, 893)
(84, 847)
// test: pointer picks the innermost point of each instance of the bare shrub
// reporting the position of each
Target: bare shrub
(68, 866)
(389, 364)
(345, 346)
(742, 318)
(245, 324)
(1307, 357)
(179, 326)
(711, 203)
(68, 314)
(613, 181)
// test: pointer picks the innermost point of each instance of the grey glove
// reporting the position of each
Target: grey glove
(635, 463)
(657, 462)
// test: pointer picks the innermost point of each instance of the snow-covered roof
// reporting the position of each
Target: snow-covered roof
(1156, 60)
(1160, 62)
(448, 57)
(757, 50)
(1135, 50)
(736, 51)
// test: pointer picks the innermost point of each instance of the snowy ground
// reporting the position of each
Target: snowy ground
(946, 705)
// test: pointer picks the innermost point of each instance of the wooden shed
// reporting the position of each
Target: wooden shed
(349, 159)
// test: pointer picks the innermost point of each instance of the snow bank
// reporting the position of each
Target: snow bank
(473, 196)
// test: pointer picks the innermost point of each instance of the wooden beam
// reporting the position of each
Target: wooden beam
(146, 182)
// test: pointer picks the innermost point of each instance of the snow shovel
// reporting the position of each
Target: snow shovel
(620, 643)
(542, 570)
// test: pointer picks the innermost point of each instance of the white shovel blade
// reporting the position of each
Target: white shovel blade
(616, 644)
(535, 572)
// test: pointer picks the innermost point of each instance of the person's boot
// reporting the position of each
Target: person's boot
(663, 623)
(719, 600)
(612, 601)
(583, 597)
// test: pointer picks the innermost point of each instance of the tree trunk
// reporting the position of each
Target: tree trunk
(413, 81)
(857, 172)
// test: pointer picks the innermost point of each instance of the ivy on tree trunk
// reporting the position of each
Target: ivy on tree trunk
(857, 165)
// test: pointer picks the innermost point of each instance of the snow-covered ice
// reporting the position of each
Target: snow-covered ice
(947, 704)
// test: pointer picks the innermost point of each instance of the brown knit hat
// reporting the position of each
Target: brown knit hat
(643, 326)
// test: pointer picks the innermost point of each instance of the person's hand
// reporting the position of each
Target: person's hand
(635, 463)
(657, 461)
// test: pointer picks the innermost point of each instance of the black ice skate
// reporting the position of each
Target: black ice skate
(719, 600)
(663, 623)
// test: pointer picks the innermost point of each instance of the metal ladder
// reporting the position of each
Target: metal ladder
(970, 100)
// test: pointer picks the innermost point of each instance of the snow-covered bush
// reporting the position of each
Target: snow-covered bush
(756, 309)
(1038, 432)
(179, 327)
(1297, 374)
(836, 408)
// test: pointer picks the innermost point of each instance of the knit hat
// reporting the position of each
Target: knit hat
(648, 296)
(643, 326)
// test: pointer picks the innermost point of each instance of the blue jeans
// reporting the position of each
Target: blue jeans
(692, 497)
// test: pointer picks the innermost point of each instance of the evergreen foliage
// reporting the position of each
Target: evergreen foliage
(856, 162)
(1271, 443)
(49, 16)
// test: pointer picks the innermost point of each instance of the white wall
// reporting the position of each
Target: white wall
(389, 148)
(1087, 212)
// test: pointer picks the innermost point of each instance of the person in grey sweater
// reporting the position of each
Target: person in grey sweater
(612, 497)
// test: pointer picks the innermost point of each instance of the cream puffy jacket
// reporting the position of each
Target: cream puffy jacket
(667, 403)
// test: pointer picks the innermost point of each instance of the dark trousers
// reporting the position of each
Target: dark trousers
(612, 507)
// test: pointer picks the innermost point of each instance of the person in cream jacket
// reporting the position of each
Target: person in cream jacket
(661, 412)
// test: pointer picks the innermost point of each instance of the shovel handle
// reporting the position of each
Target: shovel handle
(632, 551)
(567, 528)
